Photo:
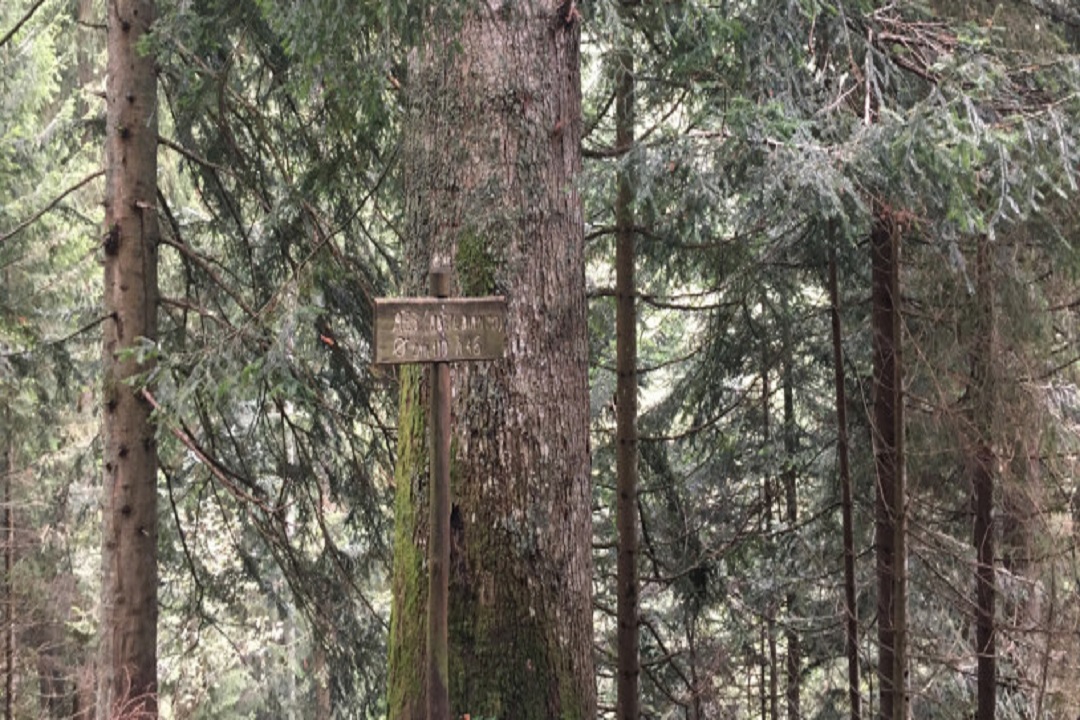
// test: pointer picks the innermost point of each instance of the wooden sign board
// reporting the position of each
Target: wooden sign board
(428, 329)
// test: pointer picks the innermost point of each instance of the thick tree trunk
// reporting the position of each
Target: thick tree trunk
(982, 482)
(851, 610)
(888, 463)
(491, 162)
(128, 661)
(629, 665)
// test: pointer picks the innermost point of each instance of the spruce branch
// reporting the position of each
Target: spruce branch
(52, 204)
(22, 21)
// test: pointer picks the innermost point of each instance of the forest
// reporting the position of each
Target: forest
(777, 415)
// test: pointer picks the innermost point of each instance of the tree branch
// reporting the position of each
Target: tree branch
(56, 201)
(22, 21)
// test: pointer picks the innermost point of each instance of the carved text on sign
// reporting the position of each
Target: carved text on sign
(439, 329)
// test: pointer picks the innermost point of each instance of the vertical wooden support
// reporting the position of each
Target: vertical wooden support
(438, 700)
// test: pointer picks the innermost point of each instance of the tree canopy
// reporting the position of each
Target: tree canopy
(761, 145)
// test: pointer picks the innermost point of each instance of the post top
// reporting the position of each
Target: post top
(439, 282)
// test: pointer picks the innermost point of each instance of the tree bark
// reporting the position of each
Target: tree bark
(846, 509)
(888, 463)
(490, 163)
(791, 501)
(86, 44)
(769, 674)
(982, 483)
(7, 472)
(128, 642)
(629, 664)
(324, 708)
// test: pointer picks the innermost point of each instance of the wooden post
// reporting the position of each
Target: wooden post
(436, 331)
(438, 699)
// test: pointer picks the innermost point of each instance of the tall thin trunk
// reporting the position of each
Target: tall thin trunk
(694, 712)
(791, 501)
(324, 709)
(774, 664)
(128, 642)
(900, 579)
(888, 466)
(491, 163)
(769, 675)
(982, 482)
(7, 472)
(86, 44)
(626, 458)
(851, 610)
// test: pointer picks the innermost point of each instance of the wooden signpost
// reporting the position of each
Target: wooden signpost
(439, 330)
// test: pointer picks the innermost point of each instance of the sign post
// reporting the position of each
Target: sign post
(438, 330)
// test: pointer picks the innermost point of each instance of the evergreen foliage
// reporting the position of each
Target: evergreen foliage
(766, 134)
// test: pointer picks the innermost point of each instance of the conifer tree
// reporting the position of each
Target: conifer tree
(127, 684)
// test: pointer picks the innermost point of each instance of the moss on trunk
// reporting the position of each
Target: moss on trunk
(491, 162)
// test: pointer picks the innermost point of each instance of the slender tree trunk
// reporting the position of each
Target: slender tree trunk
(491, 163)
(769, 683)
(7, 469)
(86, 44)
(900, 623)
(774, 665)
(629, 670)
(791, 501)
(888, 466)
(982, 482)
(128, 643)
(324, 709)
(694, 712)
(851, 610)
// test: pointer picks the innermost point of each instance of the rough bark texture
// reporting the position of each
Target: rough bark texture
(629, 663)
(981, 468)
(128, 661)
(851, 609)
(887, 462)
(491, 163)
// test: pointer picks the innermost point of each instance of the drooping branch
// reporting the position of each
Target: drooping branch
(22, 21)
(52, 204)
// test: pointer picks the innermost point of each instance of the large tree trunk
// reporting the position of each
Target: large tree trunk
(128, 662)
(846, 509)
(491, 162)
(627, 686)
(981, 468)
(889, 466)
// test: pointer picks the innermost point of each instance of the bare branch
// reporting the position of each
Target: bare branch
(22, 21)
